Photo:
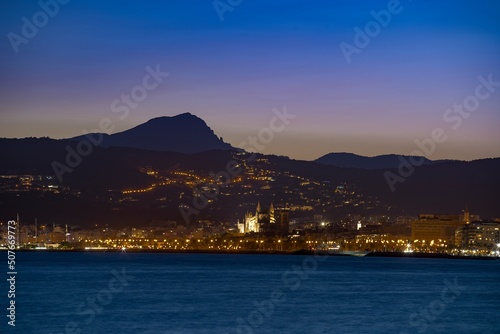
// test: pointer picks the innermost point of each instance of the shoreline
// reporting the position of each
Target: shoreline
(268, 252)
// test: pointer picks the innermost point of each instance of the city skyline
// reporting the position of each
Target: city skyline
(237, 166)
(232, 67)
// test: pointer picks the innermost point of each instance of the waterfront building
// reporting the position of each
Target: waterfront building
(478, 235)
(432, 227)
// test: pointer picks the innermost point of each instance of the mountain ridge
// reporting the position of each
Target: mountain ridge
(189, 134)
(443, 187)
(184, 133)
(384, 161)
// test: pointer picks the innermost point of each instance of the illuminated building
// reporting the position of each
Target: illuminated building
(430, 227)
(241, 227)
(478, 234)
(270, 222)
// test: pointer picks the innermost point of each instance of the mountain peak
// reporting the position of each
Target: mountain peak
(184, 133)
(186, 115)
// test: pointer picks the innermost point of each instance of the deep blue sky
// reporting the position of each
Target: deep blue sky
(263, 55)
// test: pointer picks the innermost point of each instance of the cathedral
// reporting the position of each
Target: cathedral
(269, 222)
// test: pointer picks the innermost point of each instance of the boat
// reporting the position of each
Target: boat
(339, 252)
(336, 250)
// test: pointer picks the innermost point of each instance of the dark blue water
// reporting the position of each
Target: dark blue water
(213, 293)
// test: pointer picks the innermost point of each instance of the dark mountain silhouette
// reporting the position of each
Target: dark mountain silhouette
(97, 171)
(185, 133)
(185, 142)
(350, 160)
(440, 188)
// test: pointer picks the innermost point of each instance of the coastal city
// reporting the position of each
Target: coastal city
(272, 211)
(234, 166)
(274, 230)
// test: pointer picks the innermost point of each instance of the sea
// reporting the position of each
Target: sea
(108, 292)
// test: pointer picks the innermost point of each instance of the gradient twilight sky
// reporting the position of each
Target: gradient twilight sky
(263, 55)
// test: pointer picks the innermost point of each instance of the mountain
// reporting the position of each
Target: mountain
(97, 181)
(184, 133)
(350, 160)
(171, 159)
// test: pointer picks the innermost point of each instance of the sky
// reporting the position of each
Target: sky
(231, 65)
